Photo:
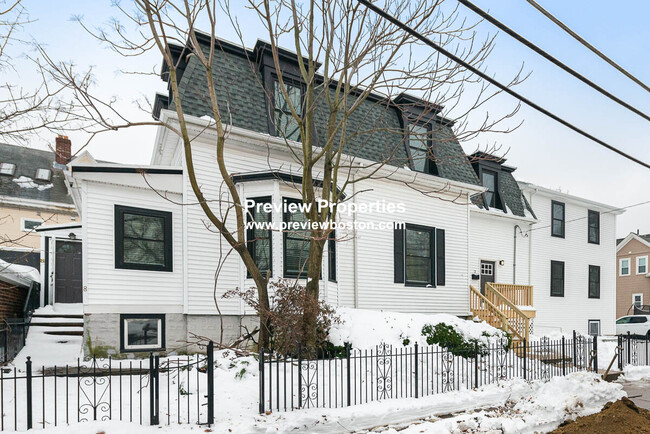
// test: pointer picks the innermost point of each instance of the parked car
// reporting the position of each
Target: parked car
(635, 324)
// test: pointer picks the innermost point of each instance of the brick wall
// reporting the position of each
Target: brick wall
(12, 300)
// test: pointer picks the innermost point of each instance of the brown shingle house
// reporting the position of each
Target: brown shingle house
(633, 274)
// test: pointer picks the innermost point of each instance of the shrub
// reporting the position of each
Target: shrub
(447, 337)
(288, 306)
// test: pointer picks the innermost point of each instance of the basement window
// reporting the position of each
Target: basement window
(593, 327)
(142, 332)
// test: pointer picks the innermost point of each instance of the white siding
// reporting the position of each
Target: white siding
(492, 239)
(376, 289)
(108, 289)
(572, 311)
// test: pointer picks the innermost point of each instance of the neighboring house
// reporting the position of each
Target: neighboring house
(150, 255)
(633, 276)
(32, 193)
(559, 244)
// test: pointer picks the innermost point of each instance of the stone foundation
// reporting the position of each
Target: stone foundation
(102, 332)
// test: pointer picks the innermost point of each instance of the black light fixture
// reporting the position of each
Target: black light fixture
(72, 236)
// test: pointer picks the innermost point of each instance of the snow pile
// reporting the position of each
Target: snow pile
(27, 182)
(366, 328)
(542, 408)
(636, 373)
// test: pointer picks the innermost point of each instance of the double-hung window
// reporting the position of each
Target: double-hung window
(641, 265)
(594, 227)
(490, 181)
(419, 142)
(143, 239)
(258, 234)
(557, 279)
(283, 120)
(593, 327)
(419, 254)
(296, 238)
(624, 267)
(557, 219)
(594, 281)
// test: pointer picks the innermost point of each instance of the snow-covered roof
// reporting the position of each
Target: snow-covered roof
(21, 275)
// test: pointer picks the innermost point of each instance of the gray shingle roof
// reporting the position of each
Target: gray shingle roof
(27, 161)
(376, 125)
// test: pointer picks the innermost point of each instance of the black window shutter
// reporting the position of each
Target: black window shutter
(440, 257)
(398, 254)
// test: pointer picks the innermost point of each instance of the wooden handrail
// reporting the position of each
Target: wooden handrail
(493, 313)
(520, 295)
(520, 322)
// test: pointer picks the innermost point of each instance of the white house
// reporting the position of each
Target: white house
(150, 256)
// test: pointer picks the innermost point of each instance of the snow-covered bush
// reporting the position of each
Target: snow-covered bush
(448, 337)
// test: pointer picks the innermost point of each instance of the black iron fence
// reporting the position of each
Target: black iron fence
(633, 350)
(386, 372)
(174, 390)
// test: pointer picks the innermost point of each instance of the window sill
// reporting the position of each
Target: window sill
(593, 242)
(557, 236)
(167, 269)
(419, 285)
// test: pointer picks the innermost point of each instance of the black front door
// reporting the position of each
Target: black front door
(67, 272)
(487, 274)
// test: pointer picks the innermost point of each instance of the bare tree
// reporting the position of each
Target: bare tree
(347, 58)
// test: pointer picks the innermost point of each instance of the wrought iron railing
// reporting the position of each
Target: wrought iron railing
(388, 372)
(177, 390)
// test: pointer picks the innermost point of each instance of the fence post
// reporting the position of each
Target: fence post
(575, 352)
(28, 378)
(349, 376)
(595, 353)
(475, 365)
(153, 389)
(210, 372)
(619, 349)
(416, 370)
(261, 367)
(628, 347)
(299, 375)
(563, 356)
(525, 369)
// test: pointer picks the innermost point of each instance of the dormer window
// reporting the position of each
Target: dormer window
(284, 122)
(43, 175)
(7, 169)
(419, 142)
(490, 180)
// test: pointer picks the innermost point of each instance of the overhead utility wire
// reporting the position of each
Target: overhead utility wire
(583, 218)
(587, 44)
(550, 58)
(492, 81)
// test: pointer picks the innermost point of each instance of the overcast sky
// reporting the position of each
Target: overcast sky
(544, 152)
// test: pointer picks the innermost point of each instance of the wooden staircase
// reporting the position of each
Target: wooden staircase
(501, 307)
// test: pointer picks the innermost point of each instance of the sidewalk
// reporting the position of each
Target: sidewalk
(638, 392)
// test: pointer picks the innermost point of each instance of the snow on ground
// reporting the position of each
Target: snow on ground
(367, 328)
(542, 408)
(635, 373)
(514, 406)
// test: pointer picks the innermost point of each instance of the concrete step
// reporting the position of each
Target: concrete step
(58, 315)
(57, 324)
(65, 332)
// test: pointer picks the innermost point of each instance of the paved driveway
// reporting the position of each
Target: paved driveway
(639, 392)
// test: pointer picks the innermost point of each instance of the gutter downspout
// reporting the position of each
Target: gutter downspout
(514, 255)
(355, 262)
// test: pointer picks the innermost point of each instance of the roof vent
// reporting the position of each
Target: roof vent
(7, 169)
(43, 175)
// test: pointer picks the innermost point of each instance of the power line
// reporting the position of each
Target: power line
(587, 44)
(492, 81)
(582, 218)
(550, 58)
